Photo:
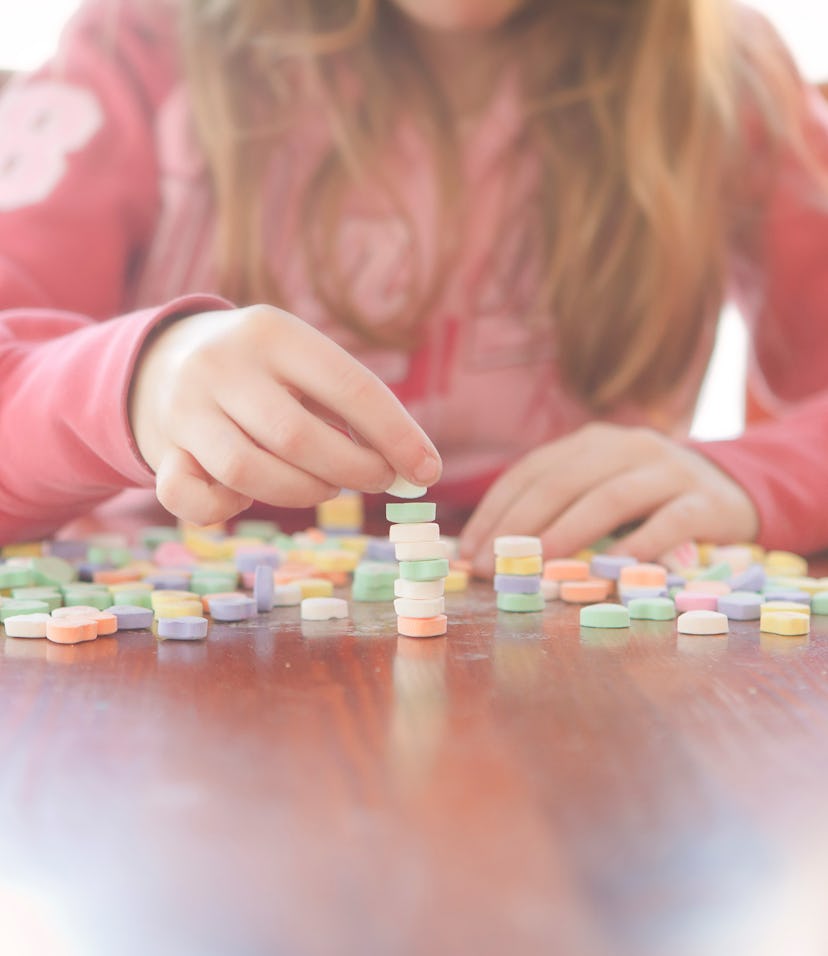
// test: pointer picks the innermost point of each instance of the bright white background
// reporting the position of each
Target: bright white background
(29, 30)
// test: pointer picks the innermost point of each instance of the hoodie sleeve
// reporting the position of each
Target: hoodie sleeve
(783, 463)
(79, 199)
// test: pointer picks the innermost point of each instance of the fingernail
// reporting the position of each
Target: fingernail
(428, 471)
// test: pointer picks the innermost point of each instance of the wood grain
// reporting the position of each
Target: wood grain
(521, 786)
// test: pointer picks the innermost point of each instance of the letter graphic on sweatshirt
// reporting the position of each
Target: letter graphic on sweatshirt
(41, 123)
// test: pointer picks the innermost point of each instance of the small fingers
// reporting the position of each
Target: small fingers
(529, 496)
(337, 381)
(681, 519)
(281, 425)
(511, 486)
(185, 489)
(231, 458)
(604, 508)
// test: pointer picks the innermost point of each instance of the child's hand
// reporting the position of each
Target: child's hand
(574, 491)
(228, 407)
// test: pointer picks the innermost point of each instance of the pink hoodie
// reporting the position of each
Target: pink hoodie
(106, 227)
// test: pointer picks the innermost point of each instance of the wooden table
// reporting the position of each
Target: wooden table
(520, 787)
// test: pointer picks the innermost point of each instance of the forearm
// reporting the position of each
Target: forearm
(783, 466)
(64, 430)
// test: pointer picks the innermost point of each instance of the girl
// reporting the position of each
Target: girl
(521, 216)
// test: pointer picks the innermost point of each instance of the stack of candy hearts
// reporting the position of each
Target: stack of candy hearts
(423, 566)
(518, 566)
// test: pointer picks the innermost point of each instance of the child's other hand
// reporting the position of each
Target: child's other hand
(575, 491)
(234, 406)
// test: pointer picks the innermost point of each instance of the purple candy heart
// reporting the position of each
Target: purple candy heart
(263, 588)
(517, 583)
(132, 617)
(741, 606)
(182, 628)
(232, 609)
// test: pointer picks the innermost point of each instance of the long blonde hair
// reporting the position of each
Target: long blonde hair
(641, 112)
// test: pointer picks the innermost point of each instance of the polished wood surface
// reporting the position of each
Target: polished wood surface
(522, 786)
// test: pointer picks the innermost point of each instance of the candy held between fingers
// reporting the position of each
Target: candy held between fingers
(401, 488)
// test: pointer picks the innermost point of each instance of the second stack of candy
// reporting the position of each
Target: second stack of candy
(518, 566)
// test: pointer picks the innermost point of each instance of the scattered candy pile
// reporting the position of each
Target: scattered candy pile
(702, 587)
(175, 579)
